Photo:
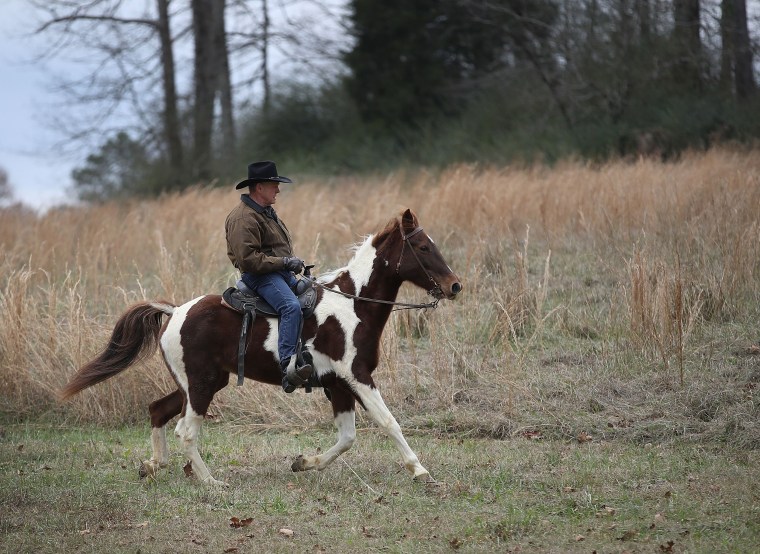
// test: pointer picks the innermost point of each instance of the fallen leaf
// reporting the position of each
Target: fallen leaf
(753, 350)
(20, 447)
(455, 543)
(667, 547)
(237, 523)
(368, 532)
(532, 435)
(188, 469)
(584, 437)
(659, 518)
(607, 511)
(286, 532)
(231, 549)
(85, 532)
(569, 489)
(579, 538)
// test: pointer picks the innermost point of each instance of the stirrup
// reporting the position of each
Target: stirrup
(299, 376)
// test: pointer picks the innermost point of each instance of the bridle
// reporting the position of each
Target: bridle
(436, 291)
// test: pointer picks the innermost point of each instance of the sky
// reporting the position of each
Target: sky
(39, 173)
(38, 176)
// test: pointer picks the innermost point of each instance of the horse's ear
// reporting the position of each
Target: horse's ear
(409, 220)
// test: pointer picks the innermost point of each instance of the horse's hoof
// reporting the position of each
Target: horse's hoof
(299, 464)
(215, 483)
(424, 478)
(147, 469)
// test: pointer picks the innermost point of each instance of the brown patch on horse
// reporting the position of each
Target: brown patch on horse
(213, 345)
(164, 409)
(330, 339)
(344, 283)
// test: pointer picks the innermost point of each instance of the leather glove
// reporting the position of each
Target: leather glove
(294, 264)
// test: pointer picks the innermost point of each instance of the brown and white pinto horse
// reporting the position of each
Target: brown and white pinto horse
(199, 343)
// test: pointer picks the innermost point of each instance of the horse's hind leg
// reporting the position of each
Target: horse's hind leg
(189, 425)
(161, 412)
(345, 421)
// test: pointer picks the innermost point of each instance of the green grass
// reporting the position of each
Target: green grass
(77, 489)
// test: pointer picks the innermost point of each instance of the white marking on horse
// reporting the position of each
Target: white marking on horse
(377, 409)
(171, 342)
(270, 343)
(346, 424)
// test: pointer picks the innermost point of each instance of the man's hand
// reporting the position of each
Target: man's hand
(294, 264)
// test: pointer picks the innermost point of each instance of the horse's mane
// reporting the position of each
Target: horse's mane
(373, 240)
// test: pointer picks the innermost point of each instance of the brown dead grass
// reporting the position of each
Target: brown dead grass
(594, 296)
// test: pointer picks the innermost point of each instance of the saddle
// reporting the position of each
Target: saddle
(243, 300)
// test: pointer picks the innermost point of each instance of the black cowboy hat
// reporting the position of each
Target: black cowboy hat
(262, 171)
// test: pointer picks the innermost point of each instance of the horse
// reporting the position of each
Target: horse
(199, 343)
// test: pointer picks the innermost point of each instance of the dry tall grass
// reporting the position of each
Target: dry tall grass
(574, 276)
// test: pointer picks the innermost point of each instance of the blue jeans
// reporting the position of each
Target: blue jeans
(276, 289)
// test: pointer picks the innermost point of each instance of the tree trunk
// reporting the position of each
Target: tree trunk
(171, 114)
(645, 21)
(265, 55)
(726, 46)
(744, 77)
(224, 81)
(688, 45)
(736, 72)
(205, 87)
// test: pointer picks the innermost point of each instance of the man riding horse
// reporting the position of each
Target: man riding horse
(259, 245)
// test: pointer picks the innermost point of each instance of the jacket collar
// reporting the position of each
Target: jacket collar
(268, 211)
(248, 201)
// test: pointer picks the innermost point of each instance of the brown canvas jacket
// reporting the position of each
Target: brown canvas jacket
(256, 243)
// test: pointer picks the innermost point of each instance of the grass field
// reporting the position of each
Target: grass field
(595, 386)
(76, 489)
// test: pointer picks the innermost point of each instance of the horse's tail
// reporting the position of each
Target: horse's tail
(134, 337)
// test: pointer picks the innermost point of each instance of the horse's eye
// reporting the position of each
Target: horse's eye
(425, 248)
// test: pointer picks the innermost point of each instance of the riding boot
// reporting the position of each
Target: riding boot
(292, 376)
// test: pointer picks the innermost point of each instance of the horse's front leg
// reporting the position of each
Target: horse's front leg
(345, 421)
(379, 412)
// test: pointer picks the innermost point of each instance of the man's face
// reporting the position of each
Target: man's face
(268, 191)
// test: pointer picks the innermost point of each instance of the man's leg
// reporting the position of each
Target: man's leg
(274, 288)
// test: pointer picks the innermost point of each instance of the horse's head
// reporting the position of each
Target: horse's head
(417, 258)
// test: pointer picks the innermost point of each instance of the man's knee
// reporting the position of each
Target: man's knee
(291, 307)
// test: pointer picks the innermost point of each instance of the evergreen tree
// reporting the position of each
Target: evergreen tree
(414, 60)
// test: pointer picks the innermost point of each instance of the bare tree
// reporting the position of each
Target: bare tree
(204, 84)
(124, 72)
(224, 81)
(171, 123)
(6, 192)
(737, 72)
(687, 42)
(211, 80)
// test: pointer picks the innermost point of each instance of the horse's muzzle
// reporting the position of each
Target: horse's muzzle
(451, 291)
